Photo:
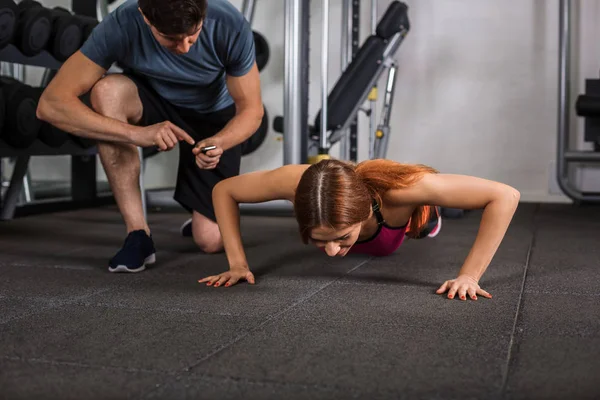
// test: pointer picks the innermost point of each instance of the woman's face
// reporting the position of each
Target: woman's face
(335, 242)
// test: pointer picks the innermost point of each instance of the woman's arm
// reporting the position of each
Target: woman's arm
(499, 202)
(253, 187)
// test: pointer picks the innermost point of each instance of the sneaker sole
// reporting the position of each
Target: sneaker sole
(184, 226)
(151, 259)
(437, 230)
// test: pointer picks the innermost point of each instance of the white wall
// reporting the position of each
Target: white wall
(476, 91)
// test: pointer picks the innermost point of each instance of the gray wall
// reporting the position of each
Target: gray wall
(476, 92)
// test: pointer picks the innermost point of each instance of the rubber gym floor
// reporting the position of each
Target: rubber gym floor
(312, 327)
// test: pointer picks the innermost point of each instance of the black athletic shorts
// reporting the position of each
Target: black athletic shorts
(194, 186)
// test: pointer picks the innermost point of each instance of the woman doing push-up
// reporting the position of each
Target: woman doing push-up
(368, 208)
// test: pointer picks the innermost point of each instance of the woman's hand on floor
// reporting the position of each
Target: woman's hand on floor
(464, 285)
(229, 278)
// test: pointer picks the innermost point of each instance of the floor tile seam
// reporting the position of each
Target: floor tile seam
(557, 293)
(513, 337)
(266, 320)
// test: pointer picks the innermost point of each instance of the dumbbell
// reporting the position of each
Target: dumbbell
(257, 139)
(49, 134)
(21, 126)
(8, 21)
(87, 25)
(82, 142)
(2, 112)
(261, 49)
(34, 27)
(66, 35)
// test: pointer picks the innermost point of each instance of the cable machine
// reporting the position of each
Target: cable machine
(587, 106)
(336, 121)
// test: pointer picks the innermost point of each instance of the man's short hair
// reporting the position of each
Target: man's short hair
(174, 17)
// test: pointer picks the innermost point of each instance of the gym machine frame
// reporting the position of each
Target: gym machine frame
(347, 113)
(378, 139)
(294, 124)
(565, 156)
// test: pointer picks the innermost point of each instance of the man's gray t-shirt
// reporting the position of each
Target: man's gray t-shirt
(195, 80)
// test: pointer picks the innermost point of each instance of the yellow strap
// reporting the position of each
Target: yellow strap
(315, 159)
(373, 93)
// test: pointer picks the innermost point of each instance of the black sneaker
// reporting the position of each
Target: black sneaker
(186, 228)
(137, 252)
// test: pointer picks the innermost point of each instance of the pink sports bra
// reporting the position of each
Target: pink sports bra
(385, 241)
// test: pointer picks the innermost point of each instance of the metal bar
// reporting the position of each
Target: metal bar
(292, 83)
(141, 182)
(582, 156)
(345, 61)
(563, 92)
(390, 90)
(248, 10)
(564, 101)
(372, 125)
(27, 193)
(373, 100)
(324, 74)
(387, 112)
(47, 77)
(16, 186)
(101, 9)
(373, 17)
(19, 72)
(355, 46)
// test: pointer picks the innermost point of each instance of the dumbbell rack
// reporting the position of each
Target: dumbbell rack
(83, 160)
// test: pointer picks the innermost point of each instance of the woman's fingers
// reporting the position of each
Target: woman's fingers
(452, 291)
(222, 279)
(472, 293)
(462, 292)
(443, 288)
(207, 279)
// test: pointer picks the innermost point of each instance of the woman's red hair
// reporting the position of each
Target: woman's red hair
(338, 194)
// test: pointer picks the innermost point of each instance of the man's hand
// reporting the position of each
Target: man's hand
(165, 135)
(208, 159)
(229, 278)
(463, 284)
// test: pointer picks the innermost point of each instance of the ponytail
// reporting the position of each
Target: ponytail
(381, 175)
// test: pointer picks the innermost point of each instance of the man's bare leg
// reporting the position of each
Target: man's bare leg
(206, 234)
(116, 96)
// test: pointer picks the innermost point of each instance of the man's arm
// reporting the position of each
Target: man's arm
(245, 91)
(60, 105)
